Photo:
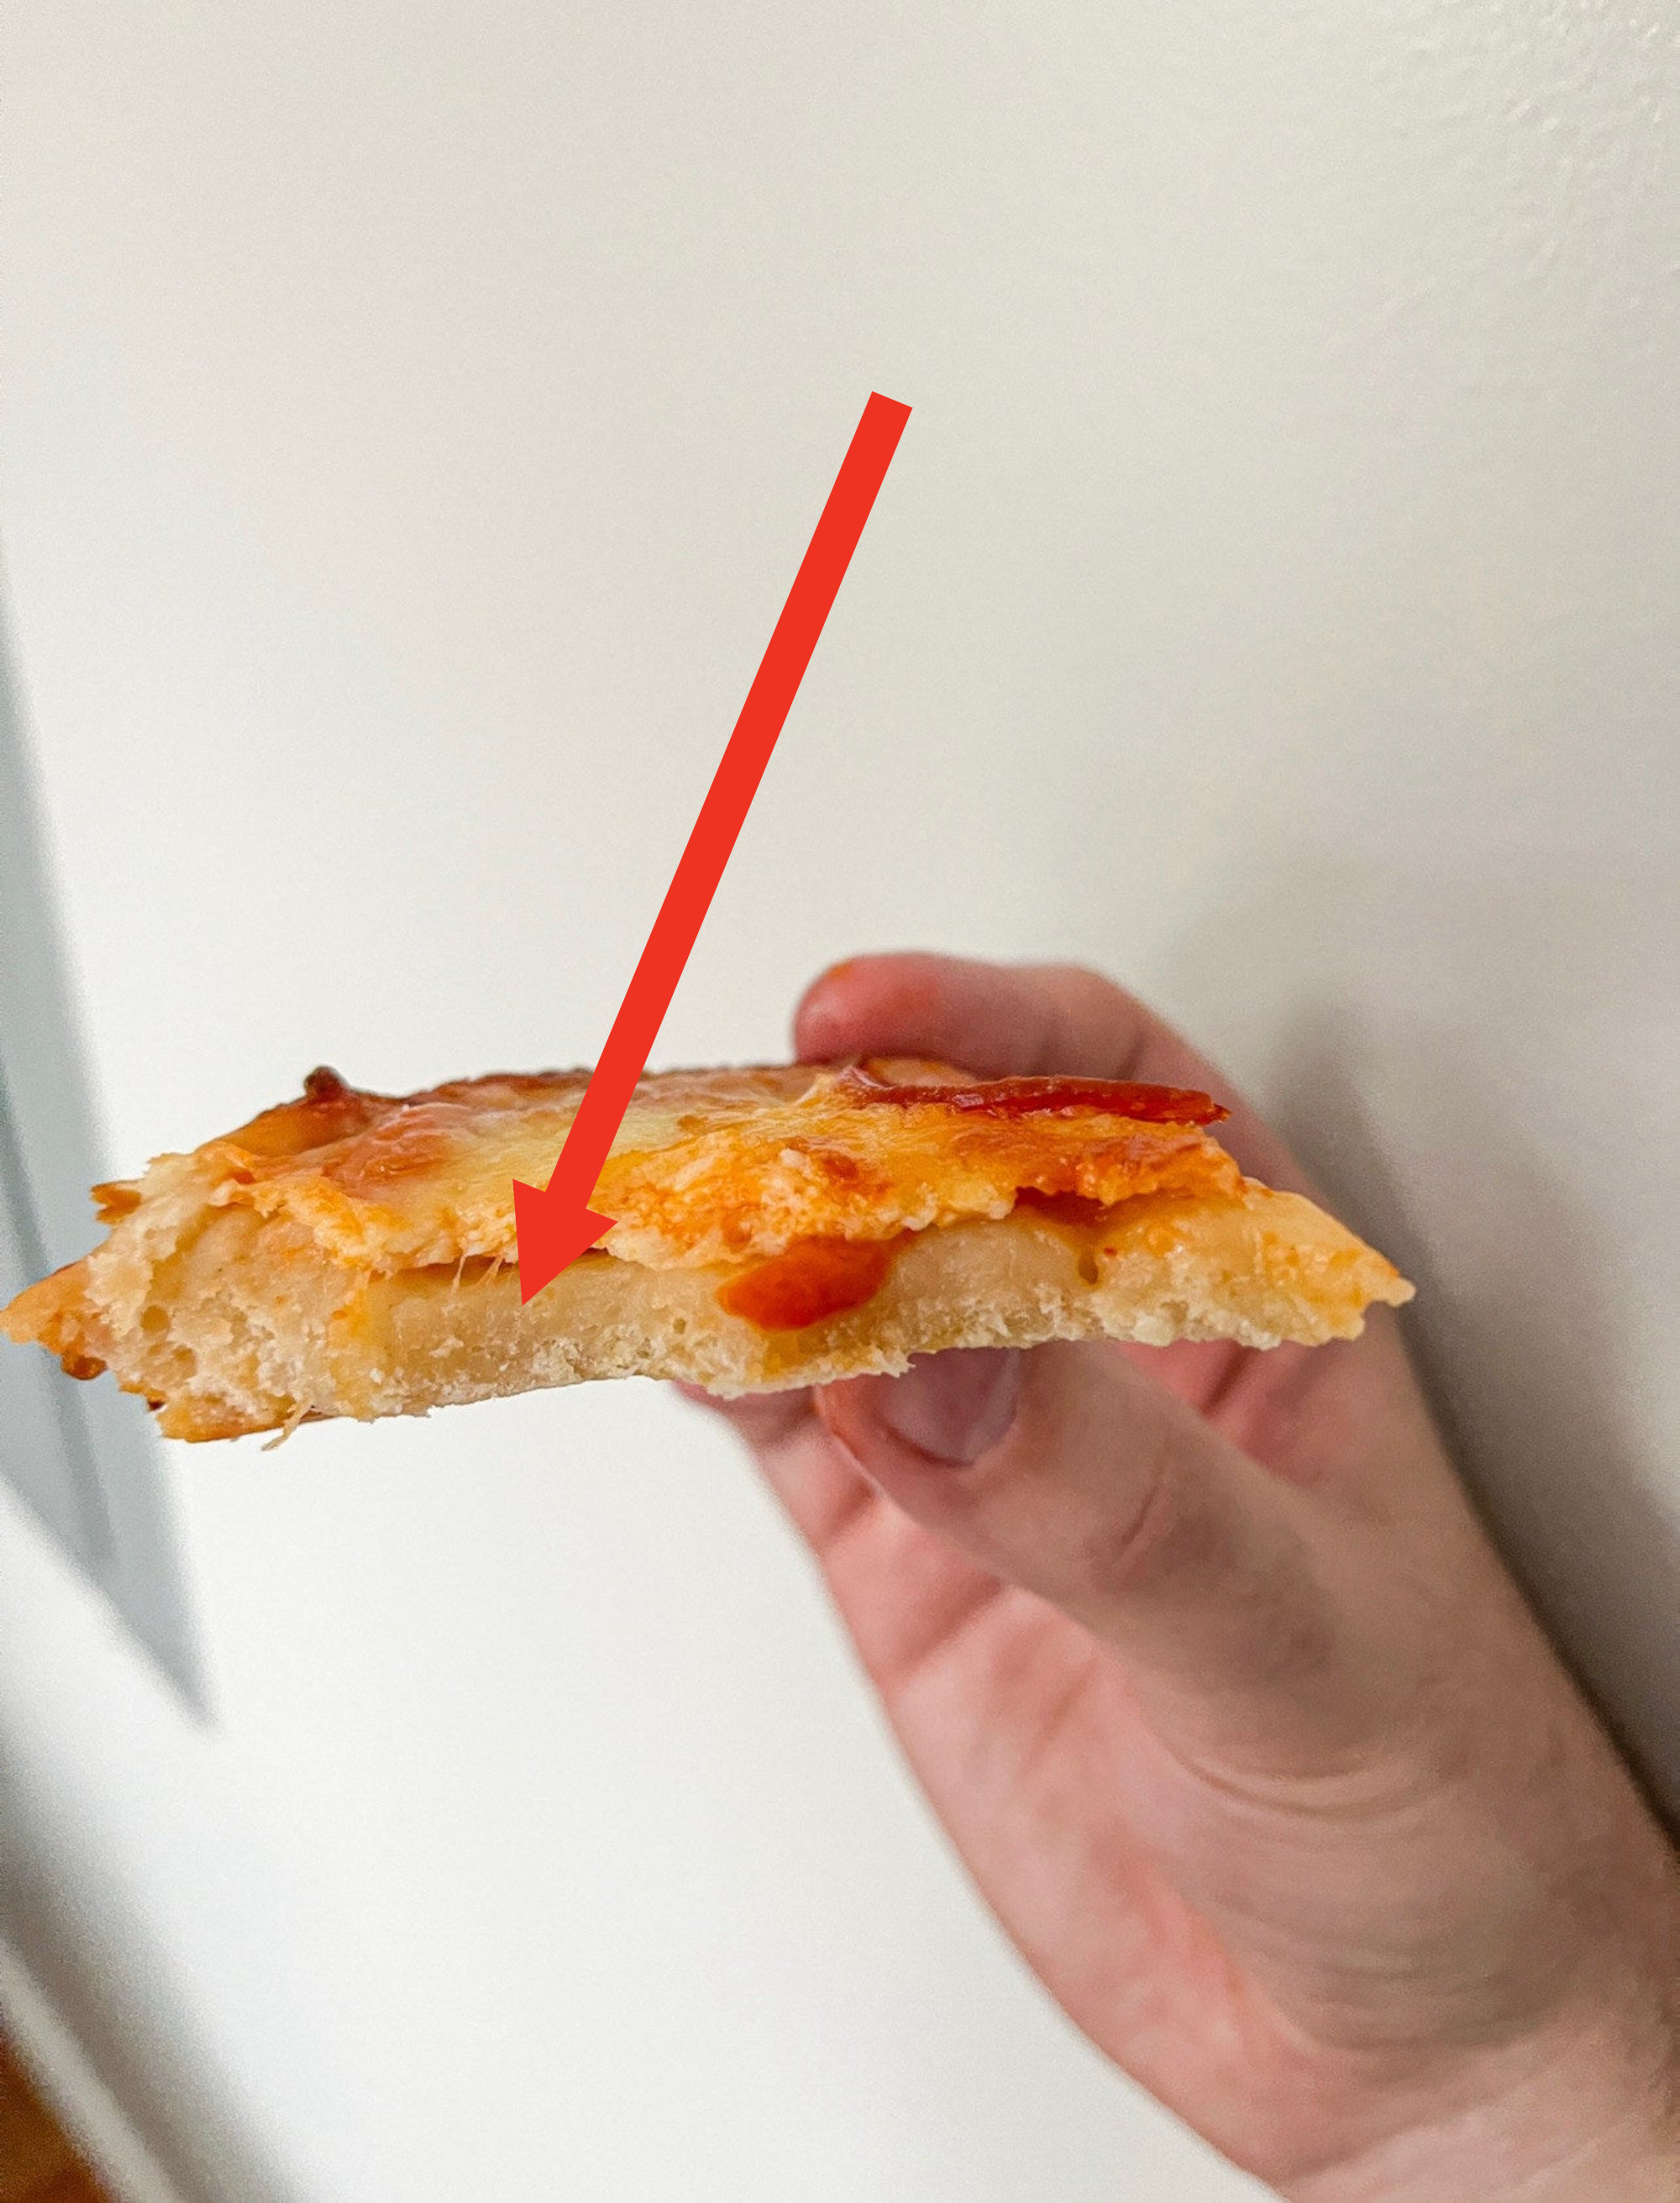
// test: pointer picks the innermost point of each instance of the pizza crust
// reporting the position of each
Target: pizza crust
(263, 1280)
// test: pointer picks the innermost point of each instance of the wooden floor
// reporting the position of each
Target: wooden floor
(37, 2165)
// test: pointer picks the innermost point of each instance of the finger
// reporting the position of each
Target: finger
(1006, 1020)
(1251, 1621)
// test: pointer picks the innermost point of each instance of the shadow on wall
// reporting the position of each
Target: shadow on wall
(1483, 1071)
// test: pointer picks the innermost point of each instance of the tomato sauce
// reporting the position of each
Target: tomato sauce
(814, 1280)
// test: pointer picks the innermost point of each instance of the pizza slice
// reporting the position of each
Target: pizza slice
(353, 1253)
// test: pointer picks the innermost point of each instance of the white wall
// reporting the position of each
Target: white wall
(412, 416)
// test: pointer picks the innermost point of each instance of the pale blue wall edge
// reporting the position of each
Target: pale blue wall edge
(83, 1458)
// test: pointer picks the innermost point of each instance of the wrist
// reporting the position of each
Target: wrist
(1582, 2123)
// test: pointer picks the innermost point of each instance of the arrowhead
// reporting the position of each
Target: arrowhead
(554, 1228)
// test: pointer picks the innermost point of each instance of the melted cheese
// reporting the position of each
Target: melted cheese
(708, 1166)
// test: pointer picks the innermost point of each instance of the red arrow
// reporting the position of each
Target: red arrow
(556, 1225)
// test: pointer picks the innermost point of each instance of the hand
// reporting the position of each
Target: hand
(1236, 1719)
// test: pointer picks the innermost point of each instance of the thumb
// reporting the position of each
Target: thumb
(1252, 1620)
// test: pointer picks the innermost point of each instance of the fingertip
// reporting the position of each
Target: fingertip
(944, 1411)
(846, 1008)
(989, 1019)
